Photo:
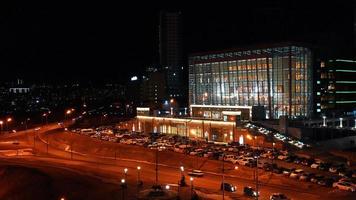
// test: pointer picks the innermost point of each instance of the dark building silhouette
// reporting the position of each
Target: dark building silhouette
(171, 53)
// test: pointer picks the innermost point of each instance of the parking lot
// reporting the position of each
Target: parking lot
(277, 161)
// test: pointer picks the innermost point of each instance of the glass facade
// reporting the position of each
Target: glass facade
(278, 78)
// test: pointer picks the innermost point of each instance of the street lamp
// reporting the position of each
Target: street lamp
(123, 186)
(1, 123)
(256, 157)
(191, 187)
(139, 182)
(45, 116)
(324, 121)
(8, 120)
(125, 171)
(182, 179)
(273, 145)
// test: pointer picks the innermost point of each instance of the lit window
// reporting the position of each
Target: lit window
(318, 110)
(318, 93)
(318, 104)
(322, 64)
(318, 82)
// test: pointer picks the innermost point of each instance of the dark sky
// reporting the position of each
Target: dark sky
(100, 41)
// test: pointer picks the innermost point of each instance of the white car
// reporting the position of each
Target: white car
(282, 157)
(243, 161)
(296, 173)
(314, 166)
(229, 157)
(196, 173)
(344, 186)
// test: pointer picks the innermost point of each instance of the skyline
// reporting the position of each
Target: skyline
(53, 42)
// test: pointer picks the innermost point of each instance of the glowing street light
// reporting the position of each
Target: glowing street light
(341, 122)
(8, 120)
(1, 123)
(324, 121)
(125, 171)
(167, 187)
(139, 182)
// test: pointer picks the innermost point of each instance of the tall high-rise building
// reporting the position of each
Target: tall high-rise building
(170, 52)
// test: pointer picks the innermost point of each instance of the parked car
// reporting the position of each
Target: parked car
(324, 166)
(316, 178)
(307, 162)
(196, 173)
(306, 176)
(344, 186)
(333, 169)
(296, 173)
(249, 191)
(282, 157)
(278, 196)
(228, 187)
(328, 182)
(314, 166)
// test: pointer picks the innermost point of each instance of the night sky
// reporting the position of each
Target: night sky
(98, 41)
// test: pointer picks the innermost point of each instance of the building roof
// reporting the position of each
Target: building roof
(253, 47)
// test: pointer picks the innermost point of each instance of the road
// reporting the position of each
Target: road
(106, 161)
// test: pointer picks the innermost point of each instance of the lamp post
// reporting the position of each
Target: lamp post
(2, 124)
(182, 178)
(8, 120)
(68, 112)
(123, 186)
(34, 141)
(273, 145)
(139, 182)
(191, 187)
(125, 172)
(257, 177)
(26, 121)
(324, 121)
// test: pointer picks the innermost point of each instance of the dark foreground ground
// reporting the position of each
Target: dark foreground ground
(19, 183)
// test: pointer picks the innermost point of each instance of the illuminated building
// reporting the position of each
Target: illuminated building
(277, 78)
(337, 87)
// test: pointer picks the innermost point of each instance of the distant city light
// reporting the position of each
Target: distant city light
(134, 78)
